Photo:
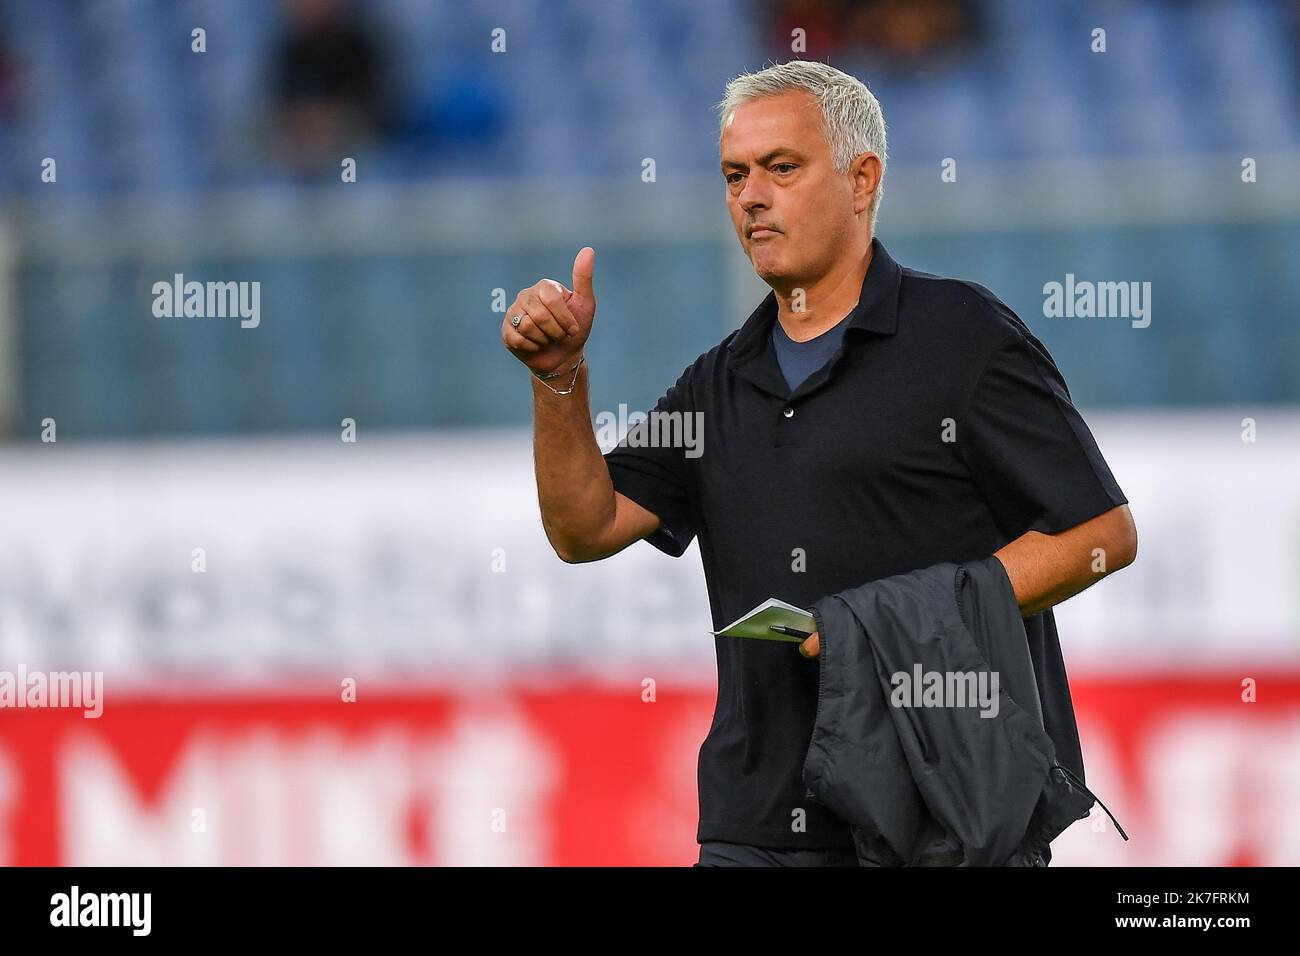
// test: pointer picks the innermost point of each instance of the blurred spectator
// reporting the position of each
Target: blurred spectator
(896, 34)
(330, 89)
(10, 114)
(9, 70)
(907, 32)
(822, 23)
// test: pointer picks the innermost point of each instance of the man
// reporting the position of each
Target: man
(865, 421)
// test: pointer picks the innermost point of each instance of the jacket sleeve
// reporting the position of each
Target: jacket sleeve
(1028, 448)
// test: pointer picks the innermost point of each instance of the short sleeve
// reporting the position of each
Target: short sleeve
(1028, 448)
(657, 477)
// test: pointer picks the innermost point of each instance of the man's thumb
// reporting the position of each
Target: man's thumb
(583, 267)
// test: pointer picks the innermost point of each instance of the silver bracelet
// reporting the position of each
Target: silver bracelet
(572, 385)
(556, 374)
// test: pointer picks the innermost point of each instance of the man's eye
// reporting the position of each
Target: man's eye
(780, 165)
(731, 177)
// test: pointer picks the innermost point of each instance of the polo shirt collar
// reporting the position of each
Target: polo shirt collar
(876, 311)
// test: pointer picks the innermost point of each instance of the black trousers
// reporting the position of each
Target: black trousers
(718, 853)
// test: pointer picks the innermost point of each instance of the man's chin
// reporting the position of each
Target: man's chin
(766, 269)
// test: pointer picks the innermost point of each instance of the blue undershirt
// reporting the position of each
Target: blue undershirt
(798, 360)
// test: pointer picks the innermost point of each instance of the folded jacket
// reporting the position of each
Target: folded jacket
(929, 737)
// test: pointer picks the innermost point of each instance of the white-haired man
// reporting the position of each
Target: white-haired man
(866, 420)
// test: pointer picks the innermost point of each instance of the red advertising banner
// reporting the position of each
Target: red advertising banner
(1199, 770)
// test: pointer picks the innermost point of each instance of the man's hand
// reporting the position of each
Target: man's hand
(557, 321)
(812, 645)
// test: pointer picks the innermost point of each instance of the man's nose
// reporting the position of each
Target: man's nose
(753, 196)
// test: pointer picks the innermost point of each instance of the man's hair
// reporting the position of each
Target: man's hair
(850, 113)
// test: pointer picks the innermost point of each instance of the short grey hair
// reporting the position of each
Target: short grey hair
(850, 113)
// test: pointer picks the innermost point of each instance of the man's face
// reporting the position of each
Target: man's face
(779, 174)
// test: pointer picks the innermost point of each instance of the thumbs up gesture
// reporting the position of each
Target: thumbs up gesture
(553, 322)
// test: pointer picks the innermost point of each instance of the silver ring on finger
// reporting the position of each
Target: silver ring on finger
(516, 320)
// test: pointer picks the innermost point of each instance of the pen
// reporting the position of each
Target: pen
(792, 631)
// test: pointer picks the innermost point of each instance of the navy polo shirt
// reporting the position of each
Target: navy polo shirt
(939, 430)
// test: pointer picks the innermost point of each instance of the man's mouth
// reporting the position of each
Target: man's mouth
(760, 231)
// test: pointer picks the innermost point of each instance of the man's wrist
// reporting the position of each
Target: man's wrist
(559, 372)
(569, 375)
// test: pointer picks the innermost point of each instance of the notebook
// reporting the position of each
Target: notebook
(772, 611)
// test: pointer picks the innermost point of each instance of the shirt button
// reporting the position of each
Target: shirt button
(789, 412)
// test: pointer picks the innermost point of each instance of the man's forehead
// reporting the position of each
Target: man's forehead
(768, 122)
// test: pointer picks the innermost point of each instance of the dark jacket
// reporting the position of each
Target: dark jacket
(936, 785)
